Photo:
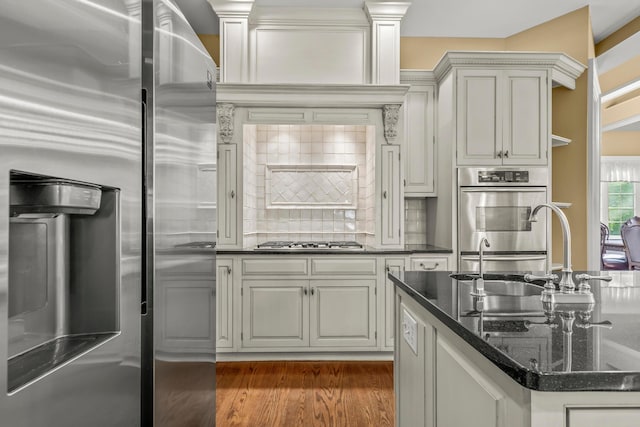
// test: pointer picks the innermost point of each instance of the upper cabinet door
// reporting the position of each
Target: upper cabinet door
(419, 153)
(526, 131)
(227, 195)
(392, 201)
(478, 114)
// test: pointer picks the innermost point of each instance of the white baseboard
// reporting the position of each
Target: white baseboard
(255, 357)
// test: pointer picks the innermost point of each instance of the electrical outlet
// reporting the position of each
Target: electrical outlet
(410, 331)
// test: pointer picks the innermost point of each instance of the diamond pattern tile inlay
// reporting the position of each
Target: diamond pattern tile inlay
(308, 186)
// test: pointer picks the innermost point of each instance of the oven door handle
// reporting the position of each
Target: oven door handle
(504, 257)
(503, 190)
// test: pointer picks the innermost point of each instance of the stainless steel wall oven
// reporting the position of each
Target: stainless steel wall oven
(495, 203)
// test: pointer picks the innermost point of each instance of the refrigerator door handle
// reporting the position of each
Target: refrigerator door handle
(144, 275)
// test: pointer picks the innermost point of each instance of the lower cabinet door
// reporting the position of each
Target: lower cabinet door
(275, 313)
(185, 316)
(342, 313)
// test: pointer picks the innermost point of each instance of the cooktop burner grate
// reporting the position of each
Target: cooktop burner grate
(291, 245)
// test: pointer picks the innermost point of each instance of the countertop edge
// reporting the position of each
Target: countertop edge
(585, 381)
(335, 252)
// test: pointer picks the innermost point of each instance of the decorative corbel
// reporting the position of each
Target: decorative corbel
(225, 122)
(390, 114)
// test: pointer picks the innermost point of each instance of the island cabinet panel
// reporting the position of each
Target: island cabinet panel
(343, 313)
(459, 384)
(275, 313)
(413, 408)
(599, 417)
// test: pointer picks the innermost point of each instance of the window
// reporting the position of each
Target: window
(620, 202)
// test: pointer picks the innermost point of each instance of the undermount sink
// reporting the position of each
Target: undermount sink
(503, 298)
(510, 288)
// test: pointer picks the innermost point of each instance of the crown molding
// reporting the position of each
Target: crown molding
(316, 95)
(296, 16)
(386, 10)
(564, 69)
(417, 77)
(232, 8)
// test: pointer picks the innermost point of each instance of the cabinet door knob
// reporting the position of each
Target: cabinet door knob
(228, 270)
(233, 194)
(313, 291)
(506, 154)
(499, 154)
(384, 194)
(305, 291)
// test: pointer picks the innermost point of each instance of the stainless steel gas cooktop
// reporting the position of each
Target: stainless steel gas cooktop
(296, 246)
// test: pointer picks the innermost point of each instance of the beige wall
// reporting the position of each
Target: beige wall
(211, 42)
(623, 73)
(620, 143)
(626, 31)
(571, 34)
(423, 53)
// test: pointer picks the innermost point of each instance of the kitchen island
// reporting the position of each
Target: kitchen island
(505, 361)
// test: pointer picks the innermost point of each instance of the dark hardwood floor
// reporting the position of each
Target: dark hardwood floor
(287, 394)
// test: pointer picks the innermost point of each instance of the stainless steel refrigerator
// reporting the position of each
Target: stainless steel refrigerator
(107, 159)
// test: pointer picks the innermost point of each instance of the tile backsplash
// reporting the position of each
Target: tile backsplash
(415, 221)
(308, 148)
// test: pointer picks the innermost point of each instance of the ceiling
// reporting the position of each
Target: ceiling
(457, 18)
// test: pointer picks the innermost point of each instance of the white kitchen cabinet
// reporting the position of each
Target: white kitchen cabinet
(185, 310)
(391, 196)
(418, 146)
(395, 266)
(411, 398)
(456, 382)
(343, 313)
(526, 123)
(307, 303)
(428, 263)
(224, 303)
(598, 417)
(227, 201)
(478, 117)
(502, 117)
(275, 313)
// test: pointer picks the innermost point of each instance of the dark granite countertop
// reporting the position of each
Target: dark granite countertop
(367, 250)
(599, 351)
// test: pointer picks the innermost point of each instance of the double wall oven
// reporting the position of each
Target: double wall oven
(495, 203)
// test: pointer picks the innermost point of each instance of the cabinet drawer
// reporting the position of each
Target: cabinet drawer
(429, 264)
(602, 416)
(269, 265)
(343, 266)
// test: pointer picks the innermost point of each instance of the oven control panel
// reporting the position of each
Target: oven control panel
(503, 176)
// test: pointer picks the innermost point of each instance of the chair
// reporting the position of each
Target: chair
(610, 261)
(630, 232)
